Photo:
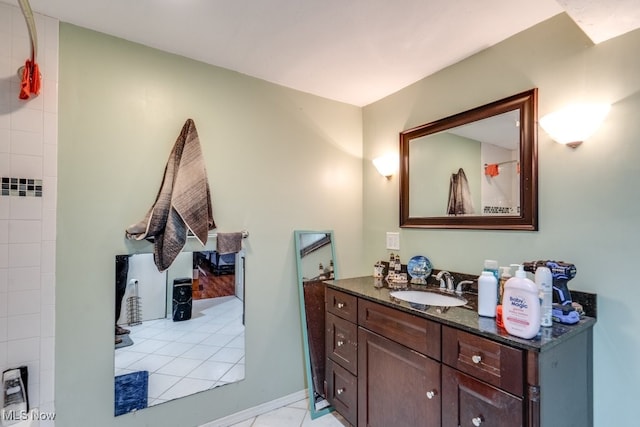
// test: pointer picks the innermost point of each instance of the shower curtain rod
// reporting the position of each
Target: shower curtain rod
(31, 26)
(501, 163)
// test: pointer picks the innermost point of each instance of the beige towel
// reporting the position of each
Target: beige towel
(228, 243)
(183, 202)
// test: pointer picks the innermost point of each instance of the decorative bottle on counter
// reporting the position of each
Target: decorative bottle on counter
(321, 275)
(487, 294)
(331, 274)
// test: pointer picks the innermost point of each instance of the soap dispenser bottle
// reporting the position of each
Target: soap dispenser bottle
(521, 305)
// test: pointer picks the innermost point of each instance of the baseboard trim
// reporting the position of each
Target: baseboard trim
(257, 410)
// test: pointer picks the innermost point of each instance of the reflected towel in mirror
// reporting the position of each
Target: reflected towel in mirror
(460, 202)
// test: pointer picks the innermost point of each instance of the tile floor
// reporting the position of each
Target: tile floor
(185, 357)
(294, 415)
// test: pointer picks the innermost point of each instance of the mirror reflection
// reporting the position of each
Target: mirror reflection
(315, 259)
(475, 169)
(177, 332)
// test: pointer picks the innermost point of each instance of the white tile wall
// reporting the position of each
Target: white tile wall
(28, 149)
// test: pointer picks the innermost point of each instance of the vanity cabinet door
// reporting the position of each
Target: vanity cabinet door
(469, 402)
(397, 386)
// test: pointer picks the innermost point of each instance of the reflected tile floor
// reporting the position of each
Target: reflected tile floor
(294, 415)
(186, 357)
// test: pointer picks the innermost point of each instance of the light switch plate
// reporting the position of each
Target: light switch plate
(393, 241)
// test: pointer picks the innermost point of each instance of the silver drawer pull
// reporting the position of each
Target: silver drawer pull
(340, 305)
(340, 343)
(476, 359)
(476, 421)
(341, 390)
(431, 394)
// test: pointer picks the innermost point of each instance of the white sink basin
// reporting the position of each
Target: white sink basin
(428, 298)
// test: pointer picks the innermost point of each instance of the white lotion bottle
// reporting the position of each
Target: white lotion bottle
(487, 294)
(521, 306)
(544, 282)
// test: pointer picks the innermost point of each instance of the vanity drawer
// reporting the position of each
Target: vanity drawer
(342, 305)
(415, 332)
(469, 402)
(492, 362)
(342, 391)
(342, 342)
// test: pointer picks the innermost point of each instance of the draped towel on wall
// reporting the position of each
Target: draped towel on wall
(183, 202)
(460, 202)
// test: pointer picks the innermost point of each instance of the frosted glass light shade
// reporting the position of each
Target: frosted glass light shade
(386, 165)
(574, 123)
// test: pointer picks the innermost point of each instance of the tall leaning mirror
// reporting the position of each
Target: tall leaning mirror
(315, 258)
(178, 332)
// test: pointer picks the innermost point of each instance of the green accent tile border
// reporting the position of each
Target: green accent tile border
(21, 187)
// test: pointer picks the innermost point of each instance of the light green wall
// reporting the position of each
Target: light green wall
(589, 204)
(277, 160)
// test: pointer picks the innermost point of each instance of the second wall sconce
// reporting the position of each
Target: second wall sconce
(574, 123)
(386, 165)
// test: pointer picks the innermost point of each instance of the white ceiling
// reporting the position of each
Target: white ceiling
(354, 51)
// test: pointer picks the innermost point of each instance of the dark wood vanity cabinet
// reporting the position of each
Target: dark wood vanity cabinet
(386, 367)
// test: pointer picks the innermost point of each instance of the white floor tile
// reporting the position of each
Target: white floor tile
(186, 387)
(159, 383)
(234, 374)
(151, 363)
(174, 349)
(179, 367)
(212, 371)
(228, 354)
(201, 352)
(280, 418)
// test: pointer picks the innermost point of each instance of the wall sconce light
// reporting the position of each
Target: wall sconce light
(574, 123)
(386, 165)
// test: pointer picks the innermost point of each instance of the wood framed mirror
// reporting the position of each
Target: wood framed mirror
(315, 260)
(473, 170)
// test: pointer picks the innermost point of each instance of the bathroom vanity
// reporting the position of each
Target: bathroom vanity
(390, 362)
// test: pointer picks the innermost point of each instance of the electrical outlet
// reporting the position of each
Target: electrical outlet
(393, 241)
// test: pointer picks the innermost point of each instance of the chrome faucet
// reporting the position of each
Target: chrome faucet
(459, 287)
(446, 280)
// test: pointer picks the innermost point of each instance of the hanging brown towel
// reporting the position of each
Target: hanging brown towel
(183, 202)
(228, 243)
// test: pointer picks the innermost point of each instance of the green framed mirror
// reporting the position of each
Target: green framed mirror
(315, 260)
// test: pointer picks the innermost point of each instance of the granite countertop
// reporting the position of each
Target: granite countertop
(465, 318)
